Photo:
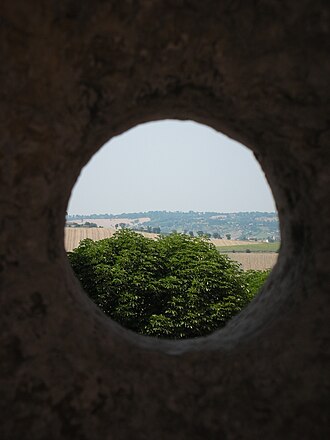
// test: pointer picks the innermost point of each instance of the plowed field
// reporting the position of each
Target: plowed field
(256, 261)
(73, 236)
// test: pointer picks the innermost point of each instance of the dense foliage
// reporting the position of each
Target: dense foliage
(254, 280)
(176, 287)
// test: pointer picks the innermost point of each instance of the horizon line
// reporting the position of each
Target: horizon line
(174, 211)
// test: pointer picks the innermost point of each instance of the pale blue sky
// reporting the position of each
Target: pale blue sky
(174, 166)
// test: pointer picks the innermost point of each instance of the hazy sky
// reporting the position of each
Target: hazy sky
(174, 166)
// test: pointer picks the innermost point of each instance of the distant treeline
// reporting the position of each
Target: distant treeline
(240, 225)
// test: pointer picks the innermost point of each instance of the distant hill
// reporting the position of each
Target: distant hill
(239, 225)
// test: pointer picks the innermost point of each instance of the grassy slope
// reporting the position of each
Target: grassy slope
(254, 247)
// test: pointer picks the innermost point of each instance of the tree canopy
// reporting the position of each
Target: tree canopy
(177, 286)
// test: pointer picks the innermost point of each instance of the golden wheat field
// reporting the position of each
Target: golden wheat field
(225, 242)
(73, 236)
(256, 260)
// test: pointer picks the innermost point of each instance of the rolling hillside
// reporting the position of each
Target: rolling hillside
(240, 225)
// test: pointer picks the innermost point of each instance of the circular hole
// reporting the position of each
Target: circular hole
(183, 210)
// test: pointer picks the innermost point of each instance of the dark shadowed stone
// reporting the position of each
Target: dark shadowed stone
(74, 74)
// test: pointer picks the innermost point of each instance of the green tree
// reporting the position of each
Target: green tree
(254, 280)
(176, 287)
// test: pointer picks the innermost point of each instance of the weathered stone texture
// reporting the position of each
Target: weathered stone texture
(73, 74)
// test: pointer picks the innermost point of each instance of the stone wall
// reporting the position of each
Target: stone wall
(74, 74)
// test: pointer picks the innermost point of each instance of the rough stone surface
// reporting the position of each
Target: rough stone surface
(75, 73)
